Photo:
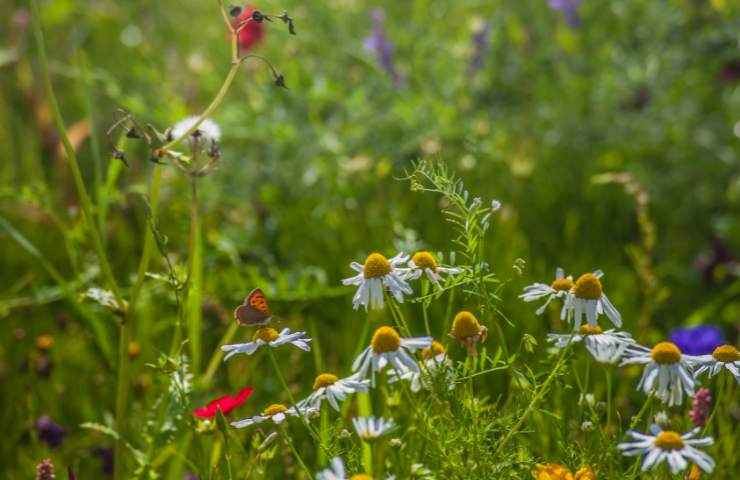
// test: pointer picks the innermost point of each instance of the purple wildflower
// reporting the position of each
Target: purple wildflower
(480, 48)
(702, 406)
(698, 340)
(50, 432)
(383, 47)
(569, 9)
(45, 470)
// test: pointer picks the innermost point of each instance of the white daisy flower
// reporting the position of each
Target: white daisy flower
(605, 346)
(724, 356)
(587, 298)
(372, 428)
(435, 363)
(667, 371)
(268, 336)
(423, 263)
(668, 446)
(334, 390)
(277, 413)
(374, 276)
(208, 131)
(387, 347)
(560, 287)
(338, 472)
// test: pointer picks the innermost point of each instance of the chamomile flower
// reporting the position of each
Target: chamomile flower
(372, 428)
(560, 287)
(268, 336)
(468, 331)
(668, 446)
(435, 363)
(605, 346)
(334, 390)
(338, 472)
(374, 276)
(423, 263)
(388, 348)
(277, 413)
(208, 131)
(667, 371)
(587, 298)
(724, 356)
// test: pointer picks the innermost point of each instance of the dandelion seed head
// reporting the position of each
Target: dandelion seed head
(266, 334)
(274, 409)
(588, 287)
(465, 325)
(424, 260)
(376, 266)
(385, 339)
(726, 353)
(562, 284)
(324, 380)
(669, 440)
(586, 329)
(666, 353)
(436, 349)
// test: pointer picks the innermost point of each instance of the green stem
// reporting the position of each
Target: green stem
(608, 372)
(296, 454)
(425, 306)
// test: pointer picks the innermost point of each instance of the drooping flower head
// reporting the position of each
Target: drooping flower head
(270, 337)
(372, 428)
(605, 346)
(334, 390)
(277, 412)
(225, 404)
(374, 276)
(253, 30)
(723, 357)
(388, 348)
(667, 371)
(468, 331)
(559, 288)
(425, 263)
(587, 298)
(668, 446)
(698, 340)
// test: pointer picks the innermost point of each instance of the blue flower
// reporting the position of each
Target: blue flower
(569, 8)
(698, 340)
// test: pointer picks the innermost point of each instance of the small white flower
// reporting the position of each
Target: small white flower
(424, 263)
(338, 472)
(587, 298)
(388, 348)
(418, 470)
(667, 371)
(724, 356)
(374, 276)
(372, 428)
(668, 446)
(268, 336)
(436, 364)
(334, 390)
(208, 131)
(605, 346)
(495, 205)
(277, 413)
(560, 287)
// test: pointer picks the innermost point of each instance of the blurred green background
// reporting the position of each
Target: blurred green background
(530, 114)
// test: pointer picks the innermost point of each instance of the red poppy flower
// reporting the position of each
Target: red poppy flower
(226, 404)
(252, 33)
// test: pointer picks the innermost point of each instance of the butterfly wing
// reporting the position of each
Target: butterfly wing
(254, 311)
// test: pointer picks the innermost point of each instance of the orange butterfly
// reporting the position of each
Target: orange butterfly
(254, 310)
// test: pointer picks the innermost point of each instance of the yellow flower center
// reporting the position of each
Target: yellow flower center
(666, 353)
(437, 348)
(266, 334)
(465, 325)
(361, 476)
(274, 409)
(551, 471)
(133, 349)
(588, 287)
(376, 265)
(44, 342)
(668, 440)
(385, 339)
(562, 284)
(585, 473)
(587, 330)
(424, 260)
(726, 353)
(324, 380)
